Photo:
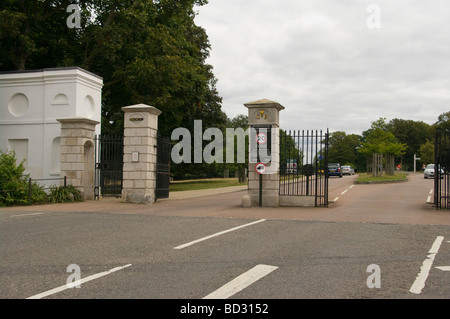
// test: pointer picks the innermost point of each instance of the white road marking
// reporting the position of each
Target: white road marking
(429, 197)
(344, 192)
(218, 234)
(444, 268)
(335, 200)
(77, 283)
(421, 278)
(23, 215)
(241, 282)
(351, 186)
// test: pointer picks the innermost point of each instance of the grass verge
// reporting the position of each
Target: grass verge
(199, 184)
(368, 178)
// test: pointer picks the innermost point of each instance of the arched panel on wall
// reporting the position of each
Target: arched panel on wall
(89, 106)
(55, 161)
(60, 99)
(89, 168)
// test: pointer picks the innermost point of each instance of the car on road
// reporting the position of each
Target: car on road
(429, 171)
(348, 170)
(334, 169)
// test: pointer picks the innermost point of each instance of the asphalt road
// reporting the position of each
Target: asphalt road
(312, 253)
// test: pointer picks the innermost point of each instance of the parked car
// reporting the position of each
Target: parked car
(348, 170)
(334, 169)
(429, 171)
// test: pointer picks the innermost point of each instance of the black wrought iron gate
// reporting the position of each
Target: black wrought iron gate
(108, 166)
(303, 165)
(162, 167)
(442, 170)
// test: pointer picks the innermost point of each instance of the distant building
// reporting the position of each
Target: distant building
(30, 104)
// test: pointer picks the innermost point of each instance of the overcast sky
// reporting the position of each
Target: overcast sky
(332, 64)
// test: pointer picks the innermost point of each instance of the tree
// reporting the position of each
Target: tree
(343, 149)
(413, 134)
(443, 122)
(378, 140)
(426, 152)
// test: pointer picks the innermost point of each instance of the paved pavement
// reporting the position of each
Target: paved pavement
(349, 203)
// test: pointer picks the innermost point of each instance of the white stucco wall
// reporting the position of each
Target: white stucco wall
(30, 104)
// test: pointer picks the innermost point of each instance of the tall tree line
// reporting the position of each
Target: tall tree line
(399, 137)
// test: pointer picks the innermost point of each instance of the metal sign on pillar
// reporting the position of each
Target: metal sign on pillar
(263, 120)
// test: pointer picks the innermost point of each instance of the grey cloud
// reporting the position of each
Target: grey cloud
(321, 61)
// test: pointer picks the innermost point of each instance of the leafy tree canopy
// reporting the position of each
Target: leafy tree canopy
(378, 139)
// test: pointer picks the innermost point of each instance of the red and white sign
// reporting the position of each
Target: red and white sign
(260, 168)
(261, 138)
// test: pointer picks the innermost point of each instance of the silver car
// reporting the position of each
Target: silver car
(429, 171)
(347, 169)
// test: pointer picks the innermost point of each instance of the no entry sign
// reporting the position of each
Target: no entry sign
(260, 168)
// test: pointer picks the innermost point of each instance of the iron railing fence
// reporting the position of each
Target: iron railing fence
(442, 170)
(304, 165)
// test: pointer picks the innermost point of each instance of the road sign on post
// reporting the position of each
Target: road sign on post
(260, 168)
(261, 144)
(263, 120)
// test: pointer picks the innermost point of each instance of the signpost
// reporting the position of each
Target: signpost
(260, 168)
(263, 120)
(261, 151)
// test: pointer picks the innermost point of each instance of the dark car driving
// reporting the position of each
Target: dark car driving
(334, 169)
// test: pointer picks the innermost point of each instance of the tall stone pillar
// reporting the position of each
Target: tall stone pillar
(77, 154)
(139, 153)
(263, 116)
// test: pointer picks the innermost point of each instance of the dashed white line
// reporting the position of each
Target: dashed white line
(241, 282)
(76, 283)
(218, 234)
(421, 278)
(344, 192)
(429, 197)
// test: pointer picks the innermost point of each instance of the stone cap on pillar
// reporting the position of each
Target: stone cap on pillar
(77, 122)
(141, 115)
(264, 112)
(141, 108)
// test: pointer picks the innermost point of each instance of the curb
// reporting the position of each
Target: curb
(382, 182)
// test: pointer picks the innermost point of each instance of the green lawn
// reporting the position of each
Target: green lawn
(198, 184)
(364, 178)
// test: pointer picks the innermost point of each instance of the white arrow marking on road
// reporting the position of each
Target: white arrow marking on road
(419, 283)
(241, 282)
(444, 268)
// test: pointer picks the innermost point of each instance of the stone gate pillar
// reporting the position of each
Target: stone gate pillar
(139, 153)
(77, 154)
(264, 114)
